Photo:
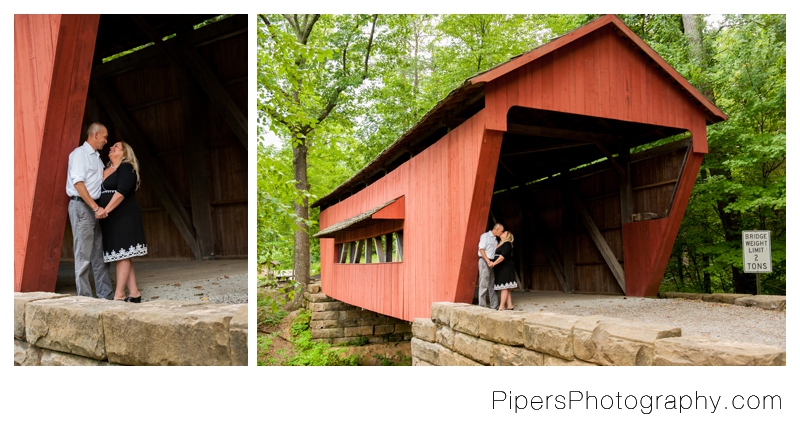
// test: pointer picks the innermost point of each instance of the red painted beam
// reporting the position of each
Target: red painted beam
(58, 49)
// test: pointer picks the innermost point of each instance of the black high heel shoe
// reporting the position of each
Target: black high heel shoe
(133, 299)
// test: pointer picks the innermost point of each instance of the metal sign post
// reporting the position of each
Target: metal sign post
(757, 254)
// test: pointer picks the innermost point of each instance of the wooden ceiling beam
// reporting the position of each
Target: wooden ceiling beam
(188, 59)
(562, 133)
(224, 29)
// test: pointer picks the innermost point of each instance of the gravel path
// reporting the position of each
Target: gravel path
(694, 317)
(221, 289)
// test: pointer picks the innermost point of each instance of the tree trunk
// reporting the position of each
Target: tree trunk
(302, 258)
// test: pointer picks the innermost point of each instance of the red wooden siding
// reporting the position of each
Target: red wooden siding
(438, 211)
(52, 62)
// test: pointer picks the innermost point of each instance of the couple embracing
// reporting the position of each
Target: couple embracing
(105, 216)
(495, 268)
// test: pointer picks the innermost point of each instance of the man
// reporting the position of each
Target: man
(486, 247)
(84, 177)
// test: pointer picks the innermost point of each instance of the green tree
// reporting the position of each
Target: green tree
(307, 63)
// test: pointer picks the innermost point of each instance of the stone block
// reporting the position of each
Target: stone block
(683, 295)
(20, 300)
(628, 343)
(707, 351)
(314, 288)
(379, 339)
(417, 362)
(358, 331)
(317, 297)
(55, 358)
(402, 327)
(425, 329)
(505, 355)
(238, 326)
(327, 333)
(384, 329)
(170, 333)
(407, 337)
(356, 313)
(440, 312)
(768, 302)
(550, 334)
(477, 349)
(330, 306)
(446, 337)
(583, 346)
(465, 319)
(556, 361)
(326, 316)
(425, 351)
(323, 324)
(373, 321)
(71, 324)
(503, 327)
(26, 354)
(724, 298)
(451, 358)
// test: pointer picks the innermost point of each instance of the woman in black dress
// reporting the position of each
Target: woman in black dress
(504, 278)
(123, 233)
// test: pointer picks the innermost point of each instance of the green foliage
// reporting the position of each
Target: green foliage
(312, 353)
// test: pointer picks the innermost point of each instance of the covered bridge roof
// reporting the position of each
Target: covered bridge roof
(469, 98)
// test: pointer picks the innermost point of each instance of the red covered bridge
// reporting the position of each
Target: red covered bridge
(586, 148)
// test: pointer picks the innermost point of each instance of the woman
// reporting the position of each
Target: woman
(123, 233)
(504, 277)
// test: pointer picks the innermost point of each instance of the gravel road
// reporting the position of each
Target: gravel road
(694, 317)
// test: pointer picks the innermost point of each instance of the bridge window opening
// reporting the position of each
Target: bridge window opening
(385, 248)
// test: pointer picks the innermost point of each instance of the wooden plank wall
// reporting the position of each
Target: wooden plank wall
(151, 94)
(435, 235)
(52, 61)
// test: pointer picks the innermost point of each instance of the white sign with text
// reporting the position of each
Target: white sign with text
(757, 252)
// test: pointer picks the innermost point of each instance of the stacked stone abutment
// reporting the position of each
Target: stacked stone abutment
(466, 335)
(339, 323)
(55, 329)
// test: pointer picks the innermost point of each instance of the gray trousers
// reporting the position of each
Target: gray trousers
(88, 246)
(486, 285)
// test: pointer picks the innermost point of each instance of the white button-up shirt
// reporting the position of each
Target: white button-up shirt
(85, 166)
(488, 243)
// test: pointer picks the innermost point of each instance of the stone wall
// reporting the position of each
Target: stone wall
(460, 334)
(338, 323)
(56, 329)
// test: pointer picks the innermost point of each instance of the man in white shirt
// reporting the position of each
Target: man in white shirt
(486, 247)
(84, 179)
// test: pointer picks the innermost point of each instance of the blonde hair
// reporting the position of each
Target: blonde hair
(129, 156)
(509, 239)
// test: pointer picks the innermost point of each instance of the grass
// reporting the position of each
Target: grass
(314, 353)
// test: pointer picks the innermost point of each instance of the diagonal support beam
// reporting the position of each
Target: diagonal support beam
(611, 159)
(149, 165)
(599, 240)
(189, 60)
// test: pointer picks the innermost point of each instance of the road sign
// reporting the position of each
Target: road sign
(757, 252)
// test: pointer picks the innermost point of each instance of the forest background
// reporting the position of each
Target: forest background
(335, 90)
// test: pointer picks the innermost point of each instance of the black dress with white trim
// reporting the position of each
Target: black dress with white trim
(504, 277)
(123, 232)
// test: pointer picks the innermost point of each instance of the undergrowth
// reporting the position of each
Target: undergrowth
(314, 353)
